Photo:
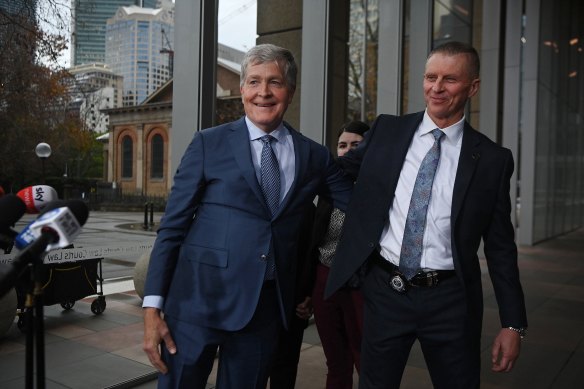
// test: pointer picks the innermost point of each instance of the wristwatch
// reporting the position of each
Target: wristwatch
(522, 331)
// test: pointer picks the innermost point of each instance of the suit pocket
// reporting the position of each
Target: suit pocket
(207, 255)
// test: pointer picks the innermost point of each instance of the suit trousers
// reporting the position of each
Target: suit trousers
(435, 316)
(244, 355)
(285, 363)
(339, 322)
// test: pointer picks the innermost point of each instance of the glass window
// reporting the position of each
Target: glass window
(362, 60)
(156, 169)
(452, 21)
(127, 157)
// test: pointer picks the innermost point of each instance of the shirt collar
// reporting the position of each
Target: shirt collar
(255, 133)
(453, 133)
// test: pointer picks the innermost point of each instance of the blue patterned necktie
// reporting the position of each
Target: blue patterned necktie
(270, 183)
(411, 249)
(270, 174)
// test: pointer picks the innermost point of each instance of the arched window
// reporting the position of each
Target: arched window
(127, 157)
(157, 157)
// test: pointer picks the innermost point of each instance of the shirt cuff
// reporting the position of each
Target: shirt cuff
(153, 302)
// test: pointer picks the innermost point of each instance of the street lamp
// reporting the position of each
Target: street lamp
(43, 151)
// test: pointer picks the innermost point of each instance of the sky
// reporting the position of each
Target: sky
(236, 24)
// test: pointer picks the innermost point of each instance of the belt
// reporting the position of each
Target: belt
(398, 282)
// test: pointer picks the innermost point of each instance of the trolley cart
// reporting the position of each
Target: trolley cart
(65, 283)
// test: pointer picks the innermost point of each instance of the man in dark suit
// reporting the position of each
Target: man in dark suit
(424, 278)
(223, 267)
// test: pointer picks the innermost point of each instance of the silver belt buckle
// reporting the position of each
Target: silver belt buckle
(398, 282)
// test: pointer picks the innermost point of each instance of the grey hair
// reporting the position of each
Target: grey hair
(271, 53)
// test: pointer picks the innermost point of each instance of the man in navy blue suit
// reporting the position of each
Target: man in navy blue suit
(223, 267)
(436, 299)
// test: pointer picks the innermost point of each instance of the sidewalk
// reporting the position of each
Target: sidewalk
(84, 350)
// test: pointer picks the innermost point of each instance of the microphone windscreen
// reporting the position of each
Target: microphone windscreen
(77, 207)
(11, 210)
(37, 197)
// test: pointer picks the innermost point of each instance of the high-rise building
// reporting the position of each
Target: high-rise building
(94, 89)
(138, 46)
(22, 8)
(88, 24)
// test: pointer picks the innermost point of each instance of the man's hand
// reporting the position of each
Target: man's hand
(304, 309)
(156, 332)
(505, 350)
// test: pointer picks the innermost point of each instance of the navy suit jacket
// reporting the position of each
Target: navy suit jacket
(481, 208)
(209, 258)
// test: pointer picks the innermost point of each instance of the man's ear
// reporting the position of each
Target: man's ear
(474, 87)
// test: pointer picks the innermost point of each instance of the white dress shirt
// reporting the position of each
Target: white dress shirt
(436, 247)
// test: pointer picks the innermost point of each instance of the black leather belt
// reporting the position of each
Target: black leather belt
(423, 279)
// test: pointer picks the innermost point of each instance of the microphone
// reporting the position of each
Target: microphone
(27, 235)
(37, 197)
(11, 210)
(54, 229)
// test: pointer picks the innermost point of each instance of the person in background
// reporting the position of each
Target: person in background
(428, 189)
(339, 318)
(222, 271)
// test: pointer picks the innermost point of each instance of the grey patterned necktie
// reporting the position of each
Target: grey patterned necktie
(270, 174)
(411, 249)
(270, 183)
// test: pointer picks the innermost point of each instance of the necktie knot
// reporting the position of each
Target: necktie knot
(268, 139)
(438, 134)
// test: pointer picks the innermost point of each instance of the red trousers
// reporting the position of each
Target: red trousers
(339, 321)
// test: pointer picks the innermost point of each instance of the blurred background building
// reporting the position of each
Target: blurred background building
(138, 46)
(89, 24)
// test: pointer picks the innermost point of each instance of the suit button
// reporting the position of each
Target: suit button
(371, 245)
(263, 257)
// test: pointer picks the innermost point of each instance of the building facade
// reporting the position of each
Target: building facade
(139, 45)
(88, 25)
(139, 154)
(531, 98)
(95, 88)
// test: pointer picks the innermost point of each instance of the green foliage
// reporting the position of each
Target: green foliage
(34, 108)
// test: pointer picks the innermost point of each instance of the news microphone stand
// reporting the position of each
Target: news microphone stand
(35, 334)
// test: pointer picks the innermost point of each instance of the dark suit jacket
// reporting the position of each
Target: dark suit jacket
(208, 261)
(481, 208)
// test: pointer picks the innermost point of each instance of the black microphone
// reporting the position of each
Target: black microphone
(54, 229)
(11, 210)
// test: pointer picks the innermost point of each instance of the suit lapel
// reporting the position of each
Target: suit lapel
(467, 163)
(241, 149)
(399, 137)
(301, 153)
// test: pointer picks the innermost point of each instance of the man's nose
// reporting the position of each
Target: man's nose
(265, 89)
(438, 85)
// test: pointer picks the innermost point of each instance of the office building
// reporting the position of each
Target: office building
(88, 23)
(95, 88)
(139, 45)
